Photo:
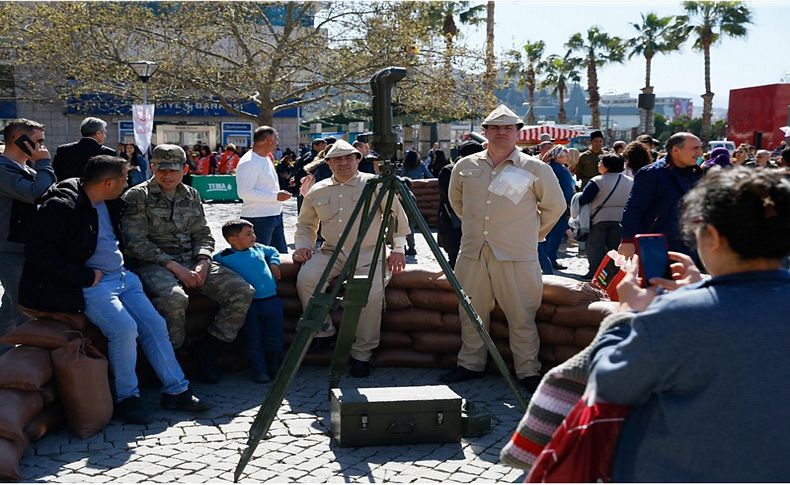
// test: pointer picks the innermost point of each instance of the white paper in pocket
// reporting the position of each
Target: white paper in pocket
(512, 182)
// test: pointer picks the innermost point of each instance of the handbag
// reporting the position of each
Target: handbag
(581, 449)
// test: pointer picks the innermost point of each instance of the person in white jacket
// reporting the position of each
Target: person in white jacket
(259, 189)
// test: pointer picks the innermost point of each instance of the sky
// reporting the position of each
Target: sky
(763, 57)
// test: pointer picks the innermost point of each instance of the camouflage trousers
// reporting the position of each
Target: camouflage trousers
(224, 286)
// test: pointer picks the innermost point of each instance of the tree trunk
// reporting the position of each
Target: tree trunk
(266, 116)
(592, 92)
(490, 78)
(646, 116)
(707, 98)
(530, 112)
(562, 118)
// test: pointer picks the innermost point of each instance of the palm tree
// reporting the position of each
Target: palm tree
(714, 21)
(656, 35)
(597, 49)
(559, 70)
(527, 75)
(443, 15)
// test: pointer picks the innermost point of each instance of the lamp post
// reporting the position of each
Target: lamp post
(144, 71)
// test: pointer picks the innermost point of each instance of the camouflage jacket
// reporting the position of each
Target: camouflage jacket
(159, 230)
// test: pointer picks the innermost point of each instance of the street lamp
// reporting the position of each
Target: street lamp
(144, 71)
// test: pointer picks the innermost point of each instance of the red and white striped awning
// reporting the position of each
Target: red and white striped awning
(531, 134)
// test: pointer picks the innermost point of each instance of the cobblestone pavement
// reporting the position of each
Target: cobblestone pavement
(178, 448)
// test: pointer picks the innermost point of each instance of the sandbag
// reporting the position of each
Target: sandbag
(419, 278)
(582, 314)
(84, 389)
(498, 329)
(48, 420)
(77, 321)
(288, 269)
(394, 340)
(434, 342)
(17, 408)
(291, 306)
(48, 334)
(10, 454)
(552, 334)
(25, 368)
(582, 336)
(448, 361)
(430, 299)
(396, 299)
(287, 288)
(565, 352)
(560, 290)
(48, 392)
(545, 312)
(411, 320)
(402, 358)
(451, 323)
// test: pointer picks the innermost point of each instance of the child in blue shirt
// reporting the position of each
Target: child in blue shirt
(259, 266)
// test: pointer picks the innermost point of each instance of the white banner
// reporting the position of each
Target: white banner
(143, 119)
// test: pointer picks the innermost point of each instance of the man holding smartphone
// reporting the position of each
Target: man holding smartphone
(20, 186)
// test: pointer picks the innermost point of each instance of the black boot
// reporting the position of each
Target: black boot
(273, 362)
(208, 360)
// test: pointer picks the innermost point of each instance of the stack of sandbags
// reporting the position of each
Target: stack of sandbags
(421, 326)
(426, 192)
(25, 390)
(52, 372)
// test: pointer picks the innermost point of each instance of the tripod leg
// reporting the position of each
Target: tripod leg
(312, 319)
(358, 291)
(410, 205)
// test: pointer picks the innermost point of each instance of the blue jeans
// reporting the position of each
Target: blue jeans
(118, 306)
(543, 259)
(10, 272)
(269, 231)
(554, 238)
(263, 331)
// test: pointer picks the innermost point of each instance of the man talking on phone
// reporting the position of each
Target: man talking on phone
(20, 186)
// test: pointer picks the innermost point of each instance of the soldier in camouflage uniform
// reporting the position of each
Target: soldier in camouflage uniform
(169, 244)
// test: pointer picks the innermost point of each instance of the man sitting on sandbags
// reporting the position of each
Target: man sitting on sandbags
(330, 203)
(74, 265)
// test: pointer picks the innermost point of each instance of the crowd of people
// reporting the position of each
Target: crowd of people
(92, 232)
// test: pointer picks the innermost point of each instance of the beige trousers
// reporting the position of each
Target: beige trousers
(369, 326)
(518, 287)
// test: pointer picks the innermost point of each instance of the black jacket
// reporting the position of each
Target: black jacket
(70, 159)
(63, 237)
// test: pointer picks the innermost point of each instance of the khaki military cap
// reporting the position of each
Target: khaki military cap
(341, 148)
(169, 157)
(503, 116)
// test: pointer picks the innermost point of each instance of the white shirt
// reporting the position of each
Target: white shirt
(257, 185)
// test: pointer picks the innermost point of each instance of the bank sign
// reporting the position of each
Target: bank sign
(106, 104)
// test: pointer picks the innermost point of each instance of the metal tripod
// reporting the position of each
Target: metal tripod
(357, 289)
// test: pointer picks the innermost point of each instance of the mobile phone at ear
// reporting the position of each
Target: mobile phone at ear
(20, 142)
(653, 258)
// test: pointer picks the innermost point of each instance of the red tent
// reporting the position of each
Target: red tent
(531, 134)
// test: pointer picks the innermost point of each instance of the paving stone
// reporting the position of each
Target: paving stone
(462, 477)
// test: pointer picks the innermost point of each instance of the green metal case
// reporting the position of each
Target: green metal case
(395, 415)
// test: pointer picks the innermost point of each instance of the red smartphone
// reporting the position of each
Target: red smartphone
(653, 258)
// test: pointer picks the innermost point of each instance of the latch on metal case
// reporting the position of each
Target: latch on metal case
(439, 418)
(363, 423)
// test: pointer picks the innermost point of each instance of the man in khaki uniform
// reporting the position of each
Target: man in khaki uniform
(507, 202)
(330, 203)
